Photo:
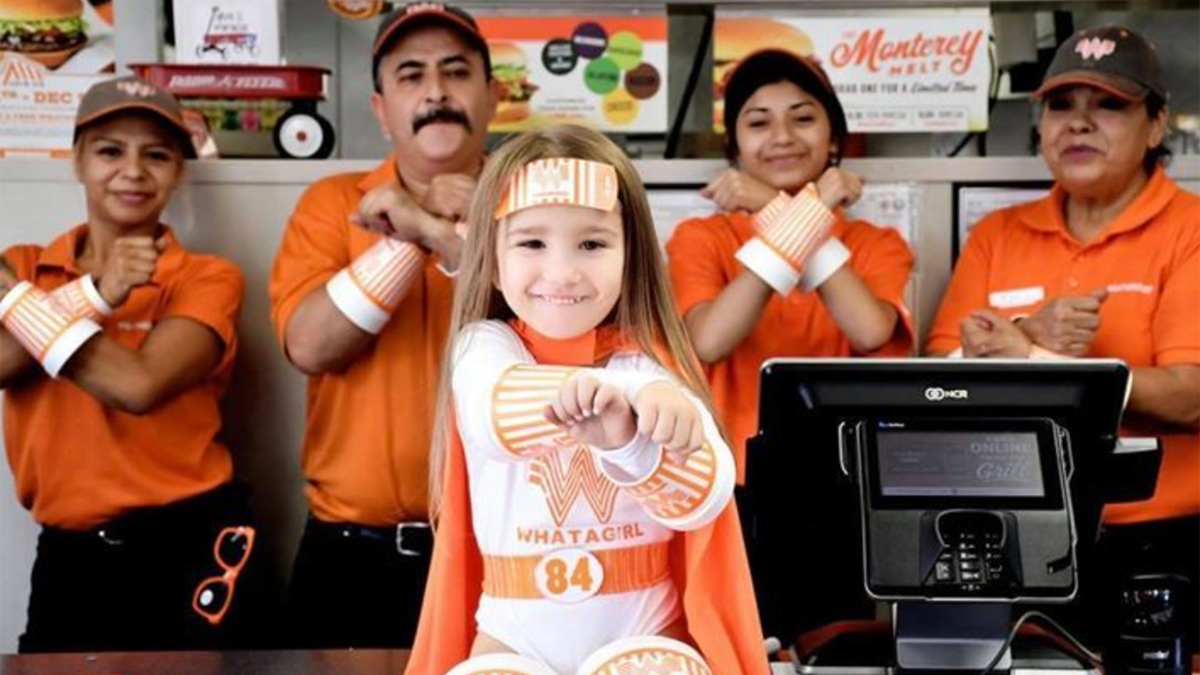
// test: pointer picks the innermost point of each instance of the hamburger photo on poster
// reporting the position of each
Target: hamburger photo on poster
(47, 31)
(735, 38)
(512, 75)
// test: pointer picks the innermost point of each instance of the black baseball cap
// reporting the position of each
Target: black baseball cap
(132, 93)
(1112, 58)
(415, 14)
(768, 66)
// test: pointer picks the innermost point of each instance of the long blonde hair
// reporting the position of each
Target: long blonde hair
(645, 312)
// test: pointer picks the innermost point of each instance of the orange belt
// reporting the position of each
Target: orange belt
(625, 570)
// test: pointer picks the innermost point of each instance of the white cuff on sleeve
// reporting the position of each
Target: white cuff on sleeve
(768, 265)
(358, 307)
(630, 464)
(823, 263)
(88, 285)
(446, 272)
(67, 344)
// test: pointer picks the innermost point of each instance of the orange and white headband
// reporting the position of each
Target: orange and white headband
(562, 181)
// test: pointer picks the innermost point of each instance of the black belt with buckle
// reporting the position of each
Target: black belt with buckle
(414, 539)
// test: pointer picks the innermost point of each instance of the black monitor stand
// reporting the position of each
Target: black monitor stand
(867, 652)
(951, 636)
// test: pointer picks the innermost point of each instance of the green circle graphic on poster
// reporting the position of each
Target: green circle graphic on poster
(625, 49)
(619, 107)
(602, 75)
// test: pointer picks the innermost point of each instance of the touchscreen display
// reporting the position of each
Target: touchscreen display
(959, 464)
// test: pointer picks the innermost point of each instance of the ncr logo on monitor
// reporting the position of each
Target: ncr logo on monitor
(940, 394)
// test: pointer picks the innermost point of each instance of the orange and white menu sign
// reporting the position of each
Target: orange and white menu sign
(920, 70)
(37, 107)
(604, 71)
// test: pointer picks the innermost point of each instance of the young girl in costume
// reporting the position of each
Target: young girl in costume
(583, 487)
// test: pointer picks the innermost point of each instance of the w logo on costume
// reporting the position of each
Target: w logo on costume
(1095, 48)
(563, 487)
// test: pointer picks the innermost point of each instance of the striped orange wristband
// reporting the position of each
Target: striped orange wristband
(370, 288)
(519, 402)
(767, 215)
(780, 251)
(44, 328)
(684, 494)
(81, 298)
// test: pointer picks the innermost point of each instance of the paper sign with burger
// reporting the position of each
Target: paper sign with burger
(47, 31)
(51, 51)
(68, 36)
(735, 38)
(608, 72)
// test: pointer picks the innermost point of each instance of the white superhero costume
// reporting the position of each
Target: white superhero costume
(574, 539)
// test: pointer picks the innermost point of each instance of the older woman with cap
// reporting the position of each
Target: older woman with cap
(1107, 265)
(116, 347)
(779, 271)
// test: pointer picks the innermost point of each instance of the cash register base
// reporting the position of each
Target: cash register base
(870, 648)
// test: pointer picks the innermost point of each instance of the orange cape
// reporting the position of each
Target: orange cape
(708, 565)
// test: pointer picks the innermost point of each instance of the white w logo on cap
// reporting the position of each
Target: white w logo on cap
(139, 89)
(1095, 48)
(425, 7)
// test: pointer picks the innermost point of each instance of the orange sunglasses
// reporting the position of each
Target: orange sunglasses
(214, 595)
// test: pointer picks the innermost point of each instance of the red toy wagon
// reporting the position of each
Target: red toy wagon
(300, 132)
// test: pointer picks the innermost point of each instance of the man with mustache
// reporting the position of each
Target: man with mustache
(360, 297)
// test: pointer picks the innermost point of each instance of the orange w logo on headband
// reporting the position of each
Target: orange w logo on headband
(560, 180)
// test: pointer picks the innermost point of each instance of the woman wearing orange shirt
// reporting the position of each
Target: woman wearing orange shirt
(779, 271)
(785, 130)
(116, 347)
(1107, 265)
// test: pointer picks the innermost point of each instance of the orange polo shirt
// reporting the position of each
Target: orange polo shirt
(368, 429)
(702, 263)
(1019, 258)
(77, 463)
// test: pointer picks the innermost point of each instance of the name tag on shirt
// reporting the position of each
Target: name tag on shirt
(1017, 297)
(142, 326)
(1131, 287)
